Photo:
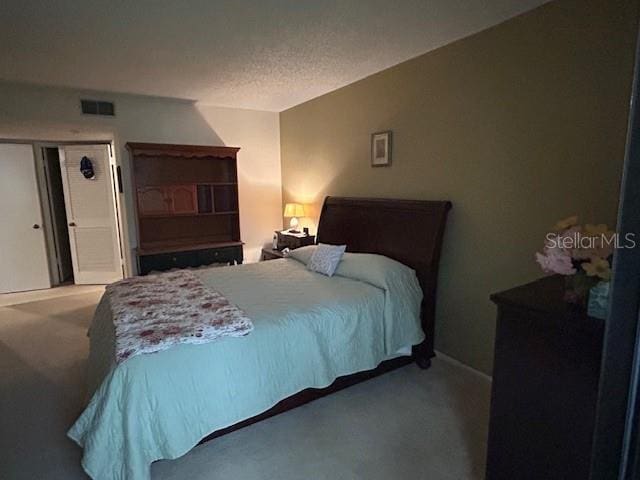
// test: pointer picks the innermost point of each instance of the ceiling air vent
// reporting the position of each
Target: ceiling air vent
(97, 107)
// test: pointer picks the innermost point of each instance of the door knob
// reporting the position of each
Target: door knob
(72, 224)
(36, 226)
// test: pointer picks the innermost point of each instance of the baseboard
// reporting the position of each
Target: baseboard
(458, 363)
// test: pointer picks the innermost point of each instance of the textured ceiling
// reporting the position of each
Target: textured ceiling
(261, 54)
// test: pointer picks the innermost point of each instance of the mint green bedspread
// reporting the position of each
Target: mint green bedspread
(308, 330)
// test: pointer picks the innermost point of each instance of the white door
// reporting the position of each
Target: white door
(91, 214)
(23, 253)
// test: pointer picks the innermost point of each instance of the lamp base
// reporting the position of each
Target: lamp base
(293, 225)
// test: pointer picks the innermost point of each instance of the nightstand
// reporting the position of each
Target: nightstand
(293, 241)
(271, 254)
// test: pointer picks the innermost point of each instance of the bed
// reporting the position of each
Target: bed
(313, 335)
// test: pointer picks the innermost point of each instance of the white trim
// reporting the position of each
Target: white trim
(122, 213)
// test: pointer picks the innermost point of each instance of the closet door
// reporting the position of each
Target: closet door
(91, 214)
(23, 254)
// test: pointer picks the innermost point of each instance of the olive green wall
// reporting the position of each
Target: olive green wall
(518, 126)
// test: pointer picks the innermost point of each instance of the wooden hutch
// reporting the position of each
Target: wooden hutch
(186, 199)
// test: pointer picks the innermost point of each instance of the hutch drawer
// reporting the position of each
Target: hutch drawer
(190, 258)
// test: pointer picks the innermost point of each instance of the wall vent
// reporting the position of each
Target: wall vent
(97, 107)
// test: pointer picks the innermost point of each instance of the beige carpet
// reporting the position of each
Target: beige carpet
(406, 424)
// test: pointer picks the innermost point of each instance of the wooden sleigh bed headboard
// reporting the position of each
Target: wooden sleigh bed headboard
(409, 231)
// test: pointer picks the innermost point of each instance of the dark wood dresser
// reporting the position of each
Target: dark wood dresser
(187, 211)
(545, 385)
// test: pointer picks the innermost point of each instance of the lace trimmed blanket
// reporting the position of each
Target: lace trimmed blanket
(156, 312)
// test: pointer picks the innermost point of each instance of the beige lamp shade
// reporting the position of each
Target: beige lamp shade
(294, 210)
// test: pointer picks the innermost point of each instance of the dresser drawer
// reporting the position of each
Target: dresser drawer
(191, 258)
(220, 255)
(292, 242)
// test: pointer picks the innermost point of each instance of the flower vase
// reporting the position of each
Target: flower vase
(599, 300)
(576, 289)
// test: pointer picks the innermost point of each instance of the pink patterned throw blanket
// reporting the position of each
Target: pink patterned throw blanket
(156, 312)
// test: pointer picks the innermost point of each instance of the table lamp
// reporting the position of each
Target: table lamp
(294, 210)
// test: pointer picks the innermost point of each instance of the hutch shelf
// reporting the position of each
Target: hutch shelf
(186, 199)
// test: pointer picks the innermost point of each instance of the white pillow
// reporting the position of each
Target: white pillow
(325, 258)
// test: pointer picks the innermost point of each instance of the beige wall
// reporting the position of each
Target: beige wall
(40, 113)
(518, 126)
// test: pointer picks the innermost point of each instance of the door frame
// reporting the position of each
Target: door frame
(616, 448)
(120, 211)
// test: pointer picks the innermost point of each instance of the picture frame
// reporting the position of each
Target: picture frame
(381, 149)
